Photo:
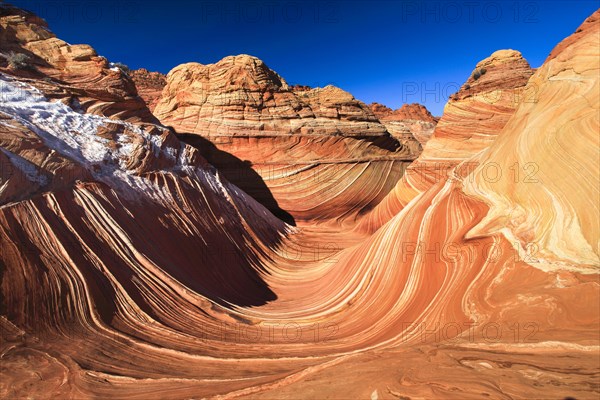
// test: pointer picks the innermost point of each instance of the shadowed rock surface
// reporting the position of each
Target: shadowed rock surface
(149, 85)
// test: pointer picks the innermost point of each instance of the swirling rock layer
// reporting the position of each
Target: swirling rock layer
(472, 120)
(554, 138)
(131, 268)
(291, 148)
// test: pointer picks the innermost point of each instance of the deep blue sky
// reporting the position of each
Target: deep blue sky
(391, 52)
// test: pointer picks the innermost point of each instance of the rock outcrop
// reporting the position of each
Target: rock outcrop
(265, 136)
(414, 111)
(241, 96)
(149, 85)
(472, 120)
(407, 122)
(73, 73)
(550, 140)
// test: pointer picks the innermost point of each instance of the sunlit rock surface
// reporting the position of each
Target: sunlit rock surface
(472, 120)
(414, 111)
(73, 73)
(132, 268)
(550, 147)
(316, 153)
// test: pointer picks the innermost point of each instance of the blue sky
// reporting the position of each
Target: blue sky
(392, 52)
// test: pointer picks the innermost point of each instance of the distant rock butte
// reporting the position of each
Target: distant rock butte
(300, 88)
(410, 120)
(241, 96)
(149, 85)
(412, 111)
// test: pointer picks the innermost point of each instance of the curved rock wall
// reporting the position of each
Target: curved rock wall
(132, 268)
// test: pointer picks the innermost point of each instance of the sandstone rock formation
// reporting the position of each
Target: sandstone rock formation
(550, 140)
(131, 268)
(472, 120)
(407, 122)
(270, 138)
(414, 111)
(241, 96)
(149, 85)
(74, 73)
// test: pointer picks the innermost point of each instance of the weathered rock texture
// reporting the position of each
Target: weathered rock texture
(241, 96)
(552, 138)
(408, 122)
(131, 269)
(414, 111)
(74, 73)
(472, 120)
(295, 144)
(149, 85)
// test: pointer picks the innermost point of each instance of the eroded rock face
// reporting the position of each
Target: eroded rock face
(412, 111)
(73, 73)
(146, 274)
(262, 134)
(503, 70)
(472, 120)
(241, 96)
(407, 122)
(95, 213)
(149, 85)
(550, 140)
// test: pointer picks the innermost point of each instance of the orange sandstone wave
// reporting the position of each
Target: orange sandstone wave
(132, 268)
